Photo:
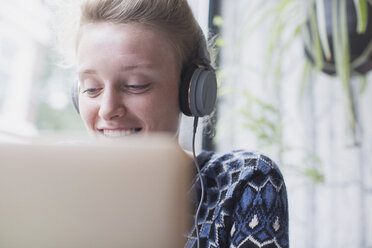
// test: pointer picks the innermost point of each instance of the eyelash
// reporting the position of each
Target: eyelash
(91, 91)
(132, 88)
(137, 87)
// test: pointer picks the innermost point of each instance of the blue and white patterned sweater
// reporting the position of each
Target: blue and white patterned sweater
(245, 202)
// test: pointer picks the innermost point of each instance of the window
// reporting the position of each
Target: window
(7, 52)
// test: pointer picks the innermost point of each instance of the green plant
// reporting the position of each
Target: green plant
(329, 48)
(263, 117)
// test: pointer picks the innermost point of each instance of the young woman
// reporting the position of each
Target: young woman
(134, 58)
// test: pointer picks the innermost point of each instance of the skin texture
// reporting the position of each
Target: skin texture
(129, 80)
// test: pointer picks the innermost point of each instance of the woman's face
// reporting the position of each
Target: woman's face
(129, 80)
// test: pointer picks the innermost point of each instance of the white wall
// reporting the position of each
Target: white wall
(23, 31)
(335, 213)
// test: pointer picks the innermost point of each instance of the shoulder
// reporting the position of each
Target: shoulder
(245, 201)
(243, 180)
(259, 208)
(243, 165)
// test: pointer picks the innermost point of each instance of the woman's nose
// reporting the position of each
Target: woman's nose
(111, 105)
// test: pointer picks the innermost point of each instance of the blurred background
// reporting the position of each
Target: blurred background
(294, 83)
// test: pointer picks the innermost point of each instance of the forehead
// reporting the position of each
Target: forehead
(130, 43)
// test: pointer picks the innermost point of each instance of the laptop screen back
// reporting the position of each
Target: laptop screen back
(127, 194)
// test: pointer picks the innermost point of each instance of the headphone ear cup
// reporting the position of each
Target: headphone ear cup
(203, 95)
(198, 91)
(185, 90)
(75, 96)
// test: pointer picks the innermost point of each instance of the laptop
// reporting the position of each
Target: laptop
(94, 195)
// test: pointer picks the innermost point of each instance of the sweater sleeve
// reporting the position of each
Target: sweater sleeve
(245, 202)
(260, 215)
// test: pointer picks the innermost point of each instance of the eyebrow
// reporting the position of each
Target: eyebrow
(123, 68)
(88, 71)
(135, 66)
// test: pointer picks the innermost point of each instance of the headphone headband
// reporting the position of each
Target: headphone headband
(198, 89)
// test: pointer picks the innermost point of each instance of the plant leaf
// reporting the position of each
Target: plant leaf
(363, 58)
(362, 14)
(218, 21)
(316, 44)
(364, 84)
(322, 26)
(315, 174)
(305, 80)
(345, 73)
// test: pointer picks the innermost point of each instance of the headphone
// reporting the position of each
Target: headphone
(198, 88)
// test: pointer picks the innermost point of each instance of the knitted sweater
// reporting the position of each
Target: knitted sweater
(245, 202)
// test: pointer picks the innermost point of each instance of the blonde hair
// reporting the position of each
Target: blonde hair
(175, 17)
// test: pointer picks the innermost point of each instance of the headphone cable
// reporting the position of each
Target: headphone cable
(201, 183)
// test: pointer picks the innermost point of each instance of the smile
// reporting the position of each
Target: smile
(119, 132)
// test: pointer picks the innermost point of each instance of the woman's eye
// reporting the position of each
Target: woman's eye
(91, 91)
(137, 88)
